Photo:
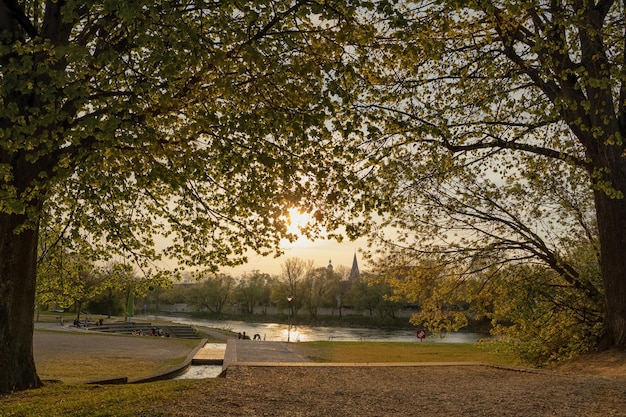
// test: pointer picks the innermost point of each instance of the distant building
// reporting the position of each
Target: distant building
(330, 266)
(354, 272)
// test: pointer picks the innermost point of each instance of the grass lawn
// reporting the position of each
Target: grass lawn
(61, 400)
(383, 352)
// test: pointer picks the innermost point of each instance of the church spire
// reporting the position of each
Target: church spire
(354, 272)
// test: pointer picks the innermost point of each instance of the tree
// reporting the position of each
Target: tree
(57, 265)
(116, 278)
(542, 317)
(291, 284)
(430, 285)
(477, 103)
(175, 294)
(321, 286)
(374, 294)
(252, 290)
(195, 124)
(212, 293)
(85, 285)
(65, 277)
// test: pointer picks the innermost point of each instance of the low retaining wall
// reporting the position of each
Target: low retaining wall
(167, 374)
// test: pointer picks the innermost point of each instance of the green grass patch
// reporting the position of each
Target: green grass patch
(62, 400)
(73, 371)
(374, 352)
(78, 365)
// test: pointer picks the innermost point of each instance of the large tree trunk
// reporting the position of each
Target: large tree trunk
(18, 259)
(611, 215)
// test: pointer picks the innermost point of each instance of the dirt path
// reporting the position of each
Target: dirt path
(391, 391)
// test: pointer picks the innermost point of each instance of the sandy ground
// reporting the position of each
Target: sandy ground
(394, 391)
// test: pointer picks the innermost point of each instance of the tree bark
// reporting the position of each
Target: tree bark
(18, 259)
(611, 217)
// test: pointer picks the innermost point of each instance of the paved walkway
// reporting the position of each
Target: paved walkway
(237, 350)
(55, 326)
(240, 351)
(246, 352)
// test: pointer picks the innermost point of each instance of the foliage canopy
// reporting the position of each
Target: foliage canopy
(501, 139)
(193, 124)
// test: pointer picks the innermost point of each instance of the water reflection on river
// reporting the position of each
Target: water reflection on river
(280, 332)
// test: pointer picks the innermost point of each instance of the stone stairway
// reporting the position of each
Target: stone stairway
(182, 331)
(142, 328)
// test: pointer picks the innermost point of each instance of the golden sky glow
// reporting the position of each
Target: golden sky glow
(297, 221)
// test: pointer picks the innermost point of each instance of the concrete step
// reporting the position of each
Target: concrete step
(178, 331)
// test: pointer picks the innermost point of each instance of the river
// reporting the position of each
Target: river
(301, 333)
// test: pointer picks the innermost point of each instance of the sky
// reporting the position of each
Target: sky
(320, 252)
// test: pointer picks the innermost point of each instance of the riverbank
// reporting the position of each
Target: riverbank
(352, 320)
(282, 332)
(401, 321)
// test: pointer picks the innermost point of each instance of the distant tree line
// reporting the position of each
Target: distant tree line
(309, 288)
(69, 282)
(527, 305)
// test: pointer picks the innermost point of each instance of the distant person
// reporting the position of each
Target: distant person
(257, 337)
(245, 336)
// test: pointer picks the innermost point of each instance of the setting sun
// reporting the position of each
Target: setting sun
(297, 221)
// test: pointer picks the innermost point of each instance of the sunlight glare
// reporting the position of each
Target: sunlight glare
(297, 221)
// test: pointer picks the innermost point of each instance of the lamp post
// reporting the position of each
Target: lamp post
(289, 299)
